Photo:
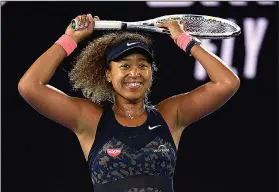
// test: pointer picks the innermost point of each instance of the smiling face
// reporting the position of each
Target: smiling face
(131, 76)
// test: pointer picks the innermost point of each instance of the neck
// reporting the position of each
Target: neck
(130, 108)
(126, 107)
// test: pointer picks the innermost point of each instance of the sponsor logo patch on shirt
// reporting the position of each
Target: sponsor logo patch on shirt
(161, 148)
(114, 152)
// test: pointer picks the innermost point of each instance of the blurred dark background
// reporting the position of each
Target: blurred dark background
(234, 149)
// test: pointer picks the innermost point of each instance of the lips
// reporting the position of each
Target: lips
(133, 85)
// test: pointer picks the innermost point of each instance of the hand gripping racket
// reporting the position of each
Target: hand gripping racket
(201, 26)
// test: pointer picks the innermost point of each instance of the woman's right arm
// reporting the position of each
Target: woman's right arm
(49, 101)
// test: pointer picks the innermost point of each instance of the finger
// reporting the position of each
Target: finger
(169, 21)
(96, 18)
(90, 18)
(86, 21)
(162, 25)
(78, 18)
(181, 24)
(91, 22)
(184, 25)
(82, 20)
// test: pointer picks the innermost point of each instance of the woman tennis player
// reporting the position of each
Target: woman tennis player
(130, 146)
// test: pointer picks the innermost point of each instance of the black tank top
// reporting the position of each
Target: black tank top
(130, 159)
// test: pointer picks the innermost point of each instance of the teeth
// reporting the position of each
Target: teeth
(133, 84)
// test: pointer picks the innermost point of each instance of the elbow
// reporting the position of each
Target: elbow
(22, 87)
(28, 87)
(236, 83)
(233, 84)
(25, 87)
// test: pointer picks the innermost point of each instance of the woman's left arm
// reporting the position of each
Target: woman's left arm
(209, 97)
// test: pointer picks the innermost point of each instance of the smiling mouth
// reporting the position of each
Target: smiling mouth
(133, 85)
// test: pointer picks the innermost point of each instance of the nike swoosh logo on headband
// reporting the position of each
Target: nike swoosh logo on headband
(129, 44)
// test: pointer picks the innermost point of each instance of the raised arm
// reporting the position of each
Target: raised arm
(189, 107)
(47, 100)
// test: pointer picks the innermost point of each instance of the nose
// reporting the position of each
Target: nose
(134, 72)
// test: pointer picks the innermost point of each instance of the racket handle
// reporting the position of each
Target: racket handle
(100, 25)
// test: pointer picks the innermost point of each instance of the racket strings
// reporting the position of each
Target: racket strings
(201, 25)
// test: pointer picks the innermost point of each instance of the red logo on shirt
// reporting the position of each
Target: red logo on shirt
(114, 152)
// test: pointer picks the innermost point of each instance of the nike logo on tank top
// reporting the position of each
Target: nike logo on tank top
(131, 159)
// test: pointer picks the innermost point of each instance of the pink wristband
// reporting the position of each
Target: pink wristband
(183, 40)
(67, 43)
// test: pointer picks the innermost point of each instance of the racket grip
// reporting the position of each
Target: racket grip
(109, 25)
(100, 25)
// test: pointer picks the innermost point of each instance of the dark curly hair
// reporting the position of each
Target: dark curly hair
(89, 71)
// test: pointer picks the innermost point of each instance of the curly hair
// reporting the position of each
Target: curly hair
(89, 71)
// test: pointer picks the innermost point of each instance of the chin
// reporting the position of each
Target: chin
(133, 96)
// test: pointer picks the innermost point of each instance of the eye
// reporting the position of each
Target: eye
(124, 65)
(143, 65)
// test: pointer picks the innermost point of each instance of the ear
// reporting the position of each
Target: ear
(108, 75)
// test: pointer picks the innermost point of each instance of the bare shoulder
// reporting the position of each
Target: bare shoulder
(168, 109)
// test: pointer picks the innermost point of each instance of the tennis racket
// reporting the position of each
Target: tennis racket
(201, 26)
